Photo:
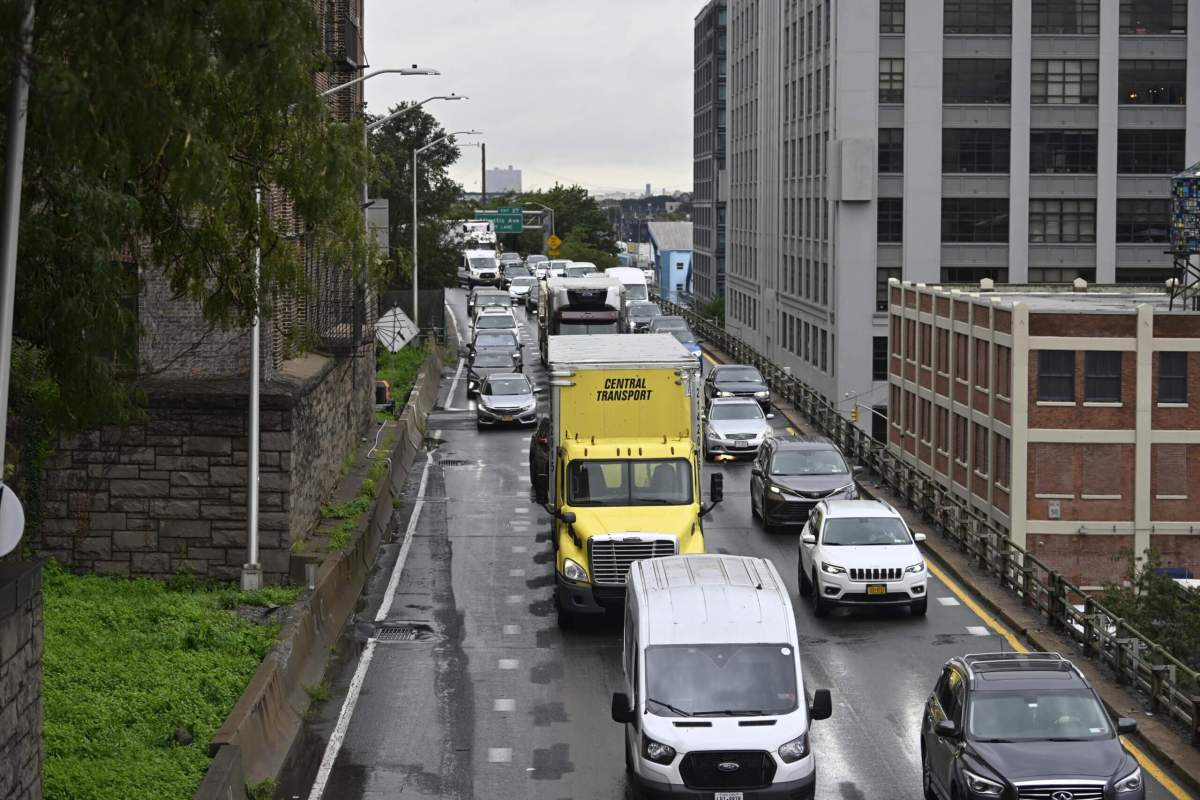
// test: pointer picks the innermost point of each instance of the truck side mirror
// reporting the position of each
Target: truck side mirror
(716, 488)
(622, 709)
(822, 705)
(567, 517)
(808, 538)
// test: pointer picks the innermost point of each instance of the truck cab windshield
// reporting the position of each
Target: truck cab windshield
(649, 482)
(709, 680)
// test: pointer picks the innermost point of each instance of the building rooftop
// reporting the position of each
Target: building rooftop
(671, 235)
(1064, 299)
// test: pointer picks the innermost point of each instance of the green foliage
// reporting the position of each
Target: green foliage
(392, 146)
(35, 413)
(1159, 609)
(318, 693)
(263, 790)
(341, 535)
(143, 153)
(713, 309)
(579, 221)
(400, 370)
(348, 510)
(126, 663)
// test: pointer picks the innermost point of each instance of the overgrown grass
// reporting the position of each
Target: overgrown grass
(400, 370)
(127, 662)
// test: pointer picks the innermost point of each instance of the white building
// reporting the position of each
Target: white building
(1020, 140)
(504, 181)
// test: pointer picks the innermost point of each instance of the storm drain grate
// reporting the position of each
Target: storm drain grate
(405, 632)
(450, 462)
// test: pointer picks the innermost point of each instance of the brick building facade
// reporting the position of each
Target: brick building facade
(1070, 418)
(168, 494)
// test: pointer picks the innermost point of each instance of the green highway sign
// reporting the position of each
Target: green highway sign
(505, 220)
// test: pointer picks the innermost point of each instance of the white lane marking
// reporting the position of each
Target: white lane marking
(516, 573)
(343, 723)
(513, 599)
(519, 548)
(978, 630)
(512, 630)
(499, 755)
(524, 463)
(453, 387)
(504, 704)
(508, 663)
(949, 601)
(394, 580)
(520, 510)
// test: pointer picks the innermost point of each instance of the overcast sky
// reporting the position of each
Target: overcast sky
(595, 92)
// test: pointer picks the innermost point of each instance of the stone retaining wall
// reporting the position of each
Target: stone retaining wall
(167, 495)
(21, 680)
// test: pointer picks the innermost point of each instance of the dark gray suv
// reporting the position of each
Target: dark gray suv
(790, 476)
(1009, 726)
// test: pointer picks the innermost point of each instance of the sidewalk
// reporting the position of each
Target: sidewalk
(1157, 736)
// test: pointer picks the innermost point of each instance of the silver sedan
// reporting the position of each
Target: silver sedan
(735, 426)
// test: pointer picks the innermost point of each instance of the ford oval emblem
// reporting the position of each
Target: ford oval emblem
(733, 766)
(1063, 795)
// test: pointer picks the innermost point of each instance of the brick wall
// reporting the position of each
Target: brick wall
(1085, 560)
(168, 494)
(21, 680)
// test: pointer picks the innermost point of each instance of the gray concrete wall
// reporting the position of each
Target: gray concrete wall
(21, 680)
(168, 494)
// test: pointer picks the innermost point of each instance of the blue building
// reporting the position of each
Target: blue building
(672, 242)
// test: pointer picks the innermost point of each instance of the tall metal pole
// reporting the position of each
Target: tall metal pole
(252, 569)
(483, 171)
(416, 319)
(18, 112)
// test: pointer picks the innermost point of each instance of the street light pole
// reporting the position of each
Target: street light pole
(416, 153)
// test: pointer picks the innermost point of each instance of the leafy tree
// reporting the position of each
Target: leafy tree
(150, 126)
(392, 146)
(1158, 608)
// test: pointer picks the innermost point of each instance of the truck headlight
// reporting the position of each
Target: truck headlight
(794, 750)
(916, 568)
(1130, 783)
(981, 785)
(573, 572)
(832, 569)
(657, 752)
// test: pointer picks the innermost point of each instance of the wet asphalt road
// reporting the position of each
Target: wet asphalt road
(496, 702)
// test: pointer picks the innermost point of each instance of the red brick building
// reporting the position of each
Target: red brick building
(1071, 418)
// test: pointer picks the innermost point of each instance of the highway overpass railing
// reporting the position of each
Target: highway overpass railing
(1167, 684)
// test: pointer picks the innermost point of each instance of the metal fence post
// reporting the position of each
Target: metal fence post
(1027, 585)
(1057, 600)
(1158, 676)
(1195, 720)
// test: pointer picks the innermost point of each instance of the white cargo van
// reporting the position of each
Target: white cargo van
(634, 280)
(714, 702)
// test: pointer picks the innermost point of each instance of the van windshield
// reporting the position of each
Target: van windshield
(707, 680)
(636, 291)
(649, 482)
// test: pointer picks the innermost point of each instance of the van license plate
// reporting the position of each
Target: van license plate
(729, 796)
(877, 588)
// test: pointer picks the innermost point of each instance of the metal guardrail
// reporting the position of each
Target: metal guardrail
(1168, 685)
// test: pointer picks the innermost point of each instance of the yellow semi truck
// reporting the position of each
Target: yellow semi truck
(624, 468)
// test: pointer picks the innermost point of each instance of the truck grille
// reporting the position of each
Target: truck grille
(876, 574)
(611, 557)
(755, 770)
(1075, 791)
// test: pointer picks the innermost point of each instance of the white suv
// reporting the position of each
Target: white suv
(861, 553)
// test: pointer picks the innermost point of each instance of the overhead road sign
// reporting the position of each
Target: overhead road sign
(505, 220)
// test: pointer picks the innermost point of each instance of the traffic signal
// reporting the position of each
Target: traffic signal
(854, 414)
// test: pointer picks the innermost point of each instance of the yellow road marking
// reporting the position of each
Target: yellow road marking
(1148, 766)
(791, 431)
(711, 360)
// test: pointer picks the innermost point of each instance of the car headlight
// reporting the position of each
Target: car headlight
(724, 394)
(981, 785)
(794, 750)
(657, 752)
(832, 569)
(774, 489)
(1130, 783)
(573, 572)
(916, 568)
(848, 492)
(762, 395)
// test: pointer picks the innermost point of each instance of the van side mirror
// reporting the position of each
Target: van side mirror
(919, 537)
(1126, 726)
(716, 488)
(822, 705)
(808, 538)
(946, 728)
(770, 415)
(859, 469)
(622, 709)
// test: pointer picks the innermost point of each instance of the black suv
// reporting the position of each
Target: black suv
(1023, 726)
(790, 476)
(737, 380)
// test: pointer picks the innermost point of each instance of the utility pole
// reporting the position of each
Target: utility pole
(18, 114)
(483, 172)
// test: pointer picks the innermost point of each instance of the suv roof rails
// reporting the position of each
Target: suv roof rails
(1012, 660)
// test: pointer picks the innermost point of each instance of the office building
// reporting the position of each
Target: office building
(1070, 418)
(1025, 141)
(504, 181)
(709, 178)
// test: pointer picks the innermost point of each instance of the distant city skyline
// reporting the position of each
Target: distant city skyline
(594, 94)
